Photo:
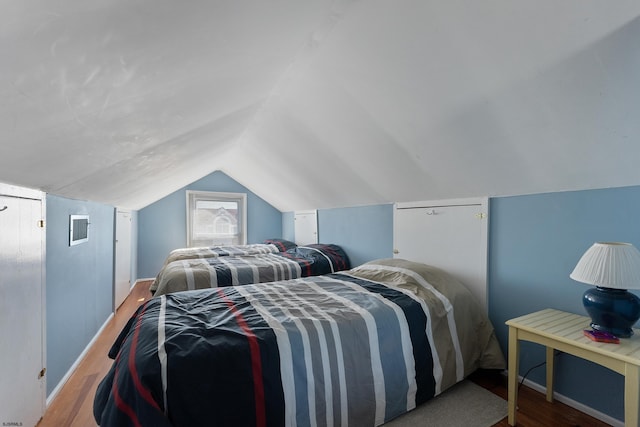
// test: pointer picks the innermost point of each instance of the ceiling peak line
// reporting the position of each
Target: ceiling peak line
(335, 14)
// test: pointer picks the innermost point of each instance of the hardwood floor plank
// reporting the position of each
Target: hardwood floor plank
(73, 406)
(85, 390)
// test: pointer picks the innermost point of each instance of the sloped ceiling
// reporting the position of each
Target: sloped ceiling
(319, 104)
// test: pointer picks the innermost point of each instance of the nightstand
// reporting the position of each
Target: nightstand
(563, 331)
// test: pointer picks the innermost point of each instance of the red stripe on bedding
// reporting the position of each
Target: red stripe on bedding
(306, 266)
(121, 404)
(144, 392)
(256, 364)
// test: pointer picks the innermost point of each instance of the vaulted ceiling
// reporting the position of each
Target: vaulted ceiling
(319, 103)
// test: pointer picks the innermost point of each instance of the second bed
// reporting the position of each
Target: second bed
(218, 271)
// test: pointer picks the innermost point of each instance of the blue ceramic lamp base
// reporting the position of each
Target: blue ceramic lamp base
(612, 310)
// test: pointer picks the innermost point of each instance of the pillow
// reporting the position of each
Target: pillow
(333, 253)
(281, 244)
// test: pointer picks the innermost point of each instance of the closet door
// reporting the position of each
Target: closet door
(22, 384)
(306, 227)
(123, 257)
(447, 235)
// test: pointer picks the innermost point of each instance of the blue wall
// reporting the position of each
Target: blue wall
(365, 233)
(162, 226)
(79, 282)
(534, 243)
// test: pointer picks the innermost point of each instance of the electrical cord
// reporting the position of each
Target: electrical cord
(528, 372)
(556, 353)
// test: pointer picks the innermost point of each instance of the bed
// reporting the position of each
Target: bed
(269, 246)
(358, 347)
(217, 271)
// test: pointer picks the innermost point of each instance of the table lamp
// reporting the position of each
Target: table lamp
(613, 267)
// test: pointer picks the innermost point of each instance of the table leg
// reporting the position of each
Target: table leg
(550, 368)
(631, 395)
(514, 358)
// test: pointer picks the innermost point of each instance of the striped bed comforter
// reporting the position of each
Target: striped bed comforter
(269, 246)
(200, 273)
(342, 349)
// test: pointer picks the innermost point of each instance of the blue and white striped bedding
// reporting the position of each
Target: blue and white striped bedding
(200, 273)
(332, 350)
(269, 246)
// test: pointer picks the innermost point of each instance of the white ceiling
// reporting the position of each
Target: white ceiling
(319, 103)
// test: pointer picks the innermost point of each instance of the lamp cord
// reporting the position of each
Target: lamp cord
(555, 354)
(528, 372)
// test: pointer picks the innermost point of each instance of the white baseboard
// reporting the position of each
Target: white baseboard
(73, 367)
(574, 404)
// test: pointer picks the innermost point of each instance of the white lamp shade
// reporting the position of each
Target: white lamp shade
(610, 265)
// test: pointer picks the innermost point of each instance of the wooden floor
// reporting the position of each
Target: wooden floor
(73, 406)
(533, 408)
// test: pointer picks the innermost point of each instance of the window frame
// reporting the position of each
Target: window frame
(193, 196)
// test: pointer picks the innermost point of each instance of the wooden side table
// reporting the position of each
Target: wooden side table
(563, 331)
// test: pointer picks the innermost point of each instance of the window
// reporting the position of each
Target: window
(216, 218)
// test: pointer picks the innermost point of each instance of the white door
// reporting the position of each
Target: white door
(22, 381)
(123, 257)
(306, 227)
(453, 238)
